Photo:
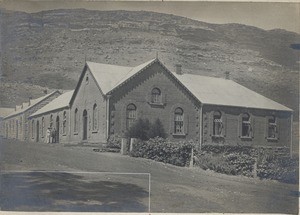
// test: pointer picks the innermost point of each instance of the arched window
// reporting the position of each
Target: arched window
(95, 117)
(246, 125)
(272, 128)
(43, 126)
(130, 115)
(217, 123)
(64, 122)
(156, 95)
(51, 121)
(76, 120)
(21, 123)
(32, 129)
(178, 121)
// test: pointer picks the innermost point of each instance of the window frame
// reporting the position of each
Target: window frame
(178, 120)
(217, 121)
(32, 129)
(64, 124)
(51, 121)
(156, 96)
(43, 126)
(131, 115)
(76, 123)
(273, 124)
(95, 124)
(249, 125)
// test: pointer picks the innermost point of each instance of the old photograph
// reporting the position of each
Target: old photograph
(149, 106)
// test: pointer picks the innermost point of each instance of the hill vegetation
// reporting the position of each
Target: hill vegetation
(49, 48)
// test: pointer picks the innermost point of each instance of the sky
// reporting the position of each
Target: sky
(266, 15)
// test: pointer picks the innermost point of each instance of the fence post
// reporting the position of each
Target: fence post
(123, 146)
(132, 141)
(192, 158)
(255, 168)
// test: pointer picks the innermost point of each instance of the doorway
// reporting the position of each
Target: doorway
(37, 131)
(84, 120)
(57, 130)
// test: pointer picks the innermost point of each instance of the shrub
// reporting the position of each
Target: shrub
(156, 130)
(144, 130)
(162, 150)
(114, 142)
(241, 160)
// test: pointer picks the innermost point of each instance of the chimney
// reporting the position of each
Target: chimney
(227, 75)
(178, 69)
(29, 100)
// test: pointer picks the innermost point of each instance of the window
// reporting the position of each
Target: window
(156, 96)
(64, 122)
(32, 129)
(43, 126)
(51, 121)
(272, 128)
(76, 120)
(21, 123)
(95, 117)
(178, 121)
(217, 124)
(87, 79)
(246, 125)
(131, 115)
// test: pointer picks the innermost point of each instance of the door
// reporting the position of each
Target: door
(84, 120)
(57, 130)
(37, 131)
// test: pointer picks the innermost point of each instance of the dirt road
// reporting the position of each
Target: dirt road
(173, 189)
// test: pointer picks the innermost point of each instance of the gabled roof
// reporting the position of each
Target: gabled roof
(5, 111)
(33, 102)
(60, 102)
(207, 90)
(218, 91)
(109, 77)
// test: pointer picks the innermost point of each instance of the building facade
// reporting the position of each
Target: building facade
(108, 99)
(51, 123)
(16, 125)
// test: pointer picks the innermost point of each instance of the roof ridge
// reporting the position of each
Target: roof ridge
(37, 100)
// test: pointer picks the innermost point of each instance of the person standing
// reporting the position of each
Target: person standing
(48, 135)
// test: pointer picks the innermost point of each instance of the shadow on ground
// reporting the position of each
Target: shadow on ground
(42, 191)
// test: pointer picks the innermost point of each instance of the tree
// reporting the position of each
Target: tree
(157, 129)
(145, 130)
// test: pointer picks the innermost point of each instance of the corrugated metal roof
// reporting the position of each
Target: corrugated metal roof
(32, 103)
(219, 91)
(61, 101)
(5, 111)
(110, 76)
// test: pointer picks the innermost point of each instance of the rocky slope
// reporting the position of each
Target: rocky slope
(49, 49)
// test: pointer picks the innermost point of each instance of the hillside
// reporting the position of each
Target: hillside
(49, 49)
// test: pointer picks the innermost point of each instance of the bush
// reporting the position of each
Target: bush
(144, 130)
(241, 160)
(283, 169)
(162, 150)
(114, 142)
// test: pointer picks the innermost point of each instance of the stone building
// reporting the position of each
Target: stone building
(16, 124)
(108, 99)
(53, 116)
